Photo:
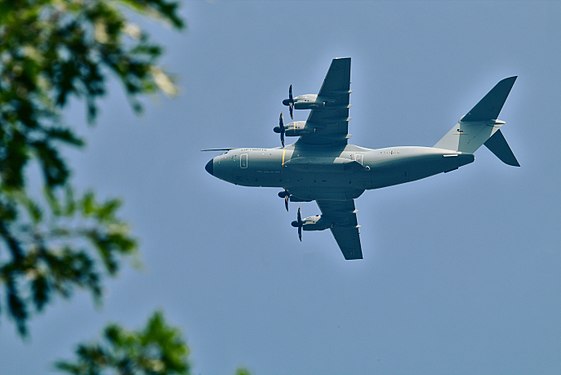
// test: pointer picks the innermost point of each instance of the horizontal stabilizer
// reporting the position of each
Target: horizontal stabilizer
(490, 106)
(498, 146)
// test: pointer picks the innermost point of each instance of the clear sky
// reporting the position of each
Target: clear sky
(462, 271)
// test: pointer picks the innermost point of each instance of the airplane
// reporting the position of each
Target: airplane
(322, 166)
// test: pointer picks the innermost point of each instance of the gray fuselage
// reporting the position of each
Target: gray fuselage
(317, 172)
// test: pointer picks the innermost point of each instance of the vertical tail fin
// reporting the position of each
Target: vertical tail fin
(481, 126)
(490, 106)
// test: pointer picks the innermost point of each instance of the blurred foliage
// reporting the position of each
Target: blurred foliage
(52, 51)
(50, 250)
(157, 349)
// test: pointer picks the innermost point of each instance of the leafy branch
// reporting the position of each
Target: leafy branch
(52, 51)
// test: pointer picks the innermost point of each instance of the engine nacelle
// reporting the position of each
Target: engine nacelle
(307, 101)
(313, 223)
(312, 101)
(294, 129)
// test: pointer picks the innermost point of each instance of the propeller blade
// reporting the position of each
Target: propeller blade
(290, 97)
(286, 196)
(281, 128)
(298, 223)
(290, 102)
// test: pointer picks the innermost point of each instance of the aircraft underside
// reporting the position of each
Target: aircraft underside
(321, 166)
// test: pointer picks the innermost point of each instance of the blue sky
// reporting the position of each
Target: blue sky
(462, 271)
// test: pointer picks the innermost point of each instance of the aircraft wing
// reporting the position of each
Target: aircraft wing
(345, 226)
(329, 123)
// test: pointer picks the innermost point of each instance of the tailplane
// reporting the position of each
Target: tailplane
(480, 126)
(499, 146)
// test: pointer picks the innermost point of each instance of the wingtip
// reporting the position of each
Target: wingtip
(355, 257)
(342, 61)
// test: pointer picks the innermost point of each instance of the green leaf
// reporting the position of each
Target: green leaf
(88, 204)
(41, 291)
(157, 349)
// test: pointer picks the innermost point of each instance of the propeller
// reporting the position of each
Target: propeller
(286, 196)
(281, 129)
(298, 223)
(290, 102)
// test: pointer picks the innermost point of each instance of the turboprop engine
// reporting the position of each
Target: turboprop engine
(287, 196)
(306, 101)
(293, 129)
(309, 223)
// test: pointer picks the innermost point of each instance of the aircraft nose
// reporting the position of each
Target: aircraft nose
(210, 167)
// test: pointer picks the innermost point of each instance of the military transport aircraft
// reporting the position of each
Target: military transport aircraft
(322, 166)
